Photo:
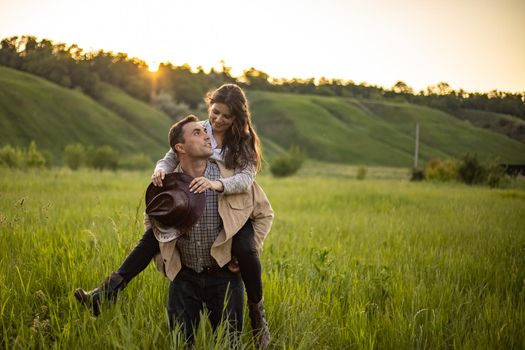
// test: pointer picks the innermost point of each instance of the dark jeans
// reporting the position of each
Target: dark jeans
(243, 247)
(221, 293)
(139, 258)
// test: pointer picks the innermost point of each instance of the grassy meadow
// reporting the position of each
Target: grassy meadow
(376, 264)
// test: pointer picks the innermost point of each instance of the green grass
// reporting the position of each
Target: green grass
(379, 263)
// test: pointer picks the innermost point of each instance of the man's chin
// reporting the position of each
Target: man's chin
(207, 154)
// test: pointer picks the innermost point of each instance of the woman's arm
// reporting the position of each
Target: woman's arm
(164, 166)
(240, 182)
(168, 163)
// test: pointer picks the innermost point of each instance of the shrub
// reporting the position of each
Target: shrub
(470, 170)
(496, 176)
(165, 103)
(136, 162)
(287, 164)
(361, 173)
(74, 156)
(34, 158)
(105, 157)
(11, 157)
(417, 174)
(441, 170)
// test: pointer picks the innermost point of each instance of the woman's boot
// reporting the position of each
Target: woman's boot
(108, 291)
(260, 331)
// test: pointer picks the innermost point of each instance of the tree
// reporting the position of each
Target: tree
(402, 88)
(256, 79)
(34, 158)
(105, 157)
(441, 88)
(74, 156)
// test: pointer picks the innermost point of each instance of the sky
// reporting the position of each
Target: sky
(476, 45)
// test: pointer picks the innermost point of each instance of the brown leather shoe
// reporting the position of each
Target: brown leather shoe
(260, 331)
(109, 290)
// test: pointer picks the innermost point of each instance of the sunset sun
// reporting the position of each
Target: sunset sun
(153, 66)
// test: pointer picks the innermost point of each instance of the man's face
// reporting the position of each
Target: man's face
(197, 142)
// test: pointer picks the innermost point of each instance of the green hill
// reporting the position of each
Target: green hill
(34, 109)
(505, 124)
(372, 132)
(330, 129)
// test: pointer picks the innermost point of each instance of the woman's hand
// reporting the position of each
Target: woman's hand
(233, 265)
(201, 184)
(157, 177)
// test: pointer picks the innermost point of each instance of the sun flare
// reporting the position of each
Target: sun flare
(153, 66)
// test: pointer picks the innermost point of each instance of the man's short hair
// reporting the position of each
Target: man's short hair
(176, 134)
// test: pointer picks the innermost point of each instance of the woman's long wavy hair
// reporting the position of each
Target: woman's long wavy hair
(241, 146)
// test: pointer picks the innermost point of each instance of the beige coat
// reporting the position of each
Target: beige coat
(234, 210)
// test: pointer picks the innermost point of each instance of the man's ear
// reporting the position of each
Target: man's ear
(179, 148)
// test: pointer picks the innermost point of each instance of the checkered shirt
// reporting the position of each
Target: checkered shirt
(195, 247)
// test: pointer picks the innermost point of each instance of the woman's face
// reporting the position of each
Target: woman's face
(220, 117)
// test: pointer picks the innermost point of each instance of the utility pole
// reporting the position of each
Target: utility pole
(417, 146)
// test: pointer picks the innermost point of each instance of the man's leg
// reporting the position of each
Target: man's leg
(185, 302)
(224, 297)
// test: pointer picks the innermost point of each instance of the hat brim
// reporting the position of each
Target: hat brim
(181, 182)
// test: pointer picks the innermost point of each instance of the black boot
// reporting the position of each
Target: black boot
(108, 291)
(261, 333)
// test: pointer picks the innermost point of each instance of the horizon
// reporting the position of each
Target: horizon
(420, 44)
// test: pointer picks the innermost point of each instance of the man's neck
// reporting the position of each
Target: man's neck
(193, 167)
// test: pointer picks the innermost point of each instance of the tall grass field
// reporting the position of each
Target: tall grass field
(372, 264)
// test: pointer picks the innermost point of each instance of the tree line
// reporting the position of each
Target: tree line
(178, 88)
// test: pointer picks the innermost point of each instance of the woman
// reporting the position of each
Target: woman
(236, 144)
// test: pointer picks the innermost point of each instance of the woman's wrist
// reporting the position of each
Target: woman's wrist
(217, 186)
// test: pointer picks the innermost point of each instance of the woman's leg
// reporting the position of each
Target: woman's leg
(139, 258)
(136, 261)
(243, 247)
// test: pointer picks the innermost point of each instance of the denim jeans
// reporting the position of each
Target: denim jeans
(220, 293)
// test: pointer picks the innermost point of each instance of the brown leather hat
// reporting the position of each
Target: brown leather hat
(173, 205)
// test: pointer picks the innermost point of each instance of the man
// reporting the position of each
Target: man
(197, 262)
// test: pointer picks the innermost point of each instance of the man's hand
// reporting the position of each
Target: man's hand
(201, 184)
(157, 177)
